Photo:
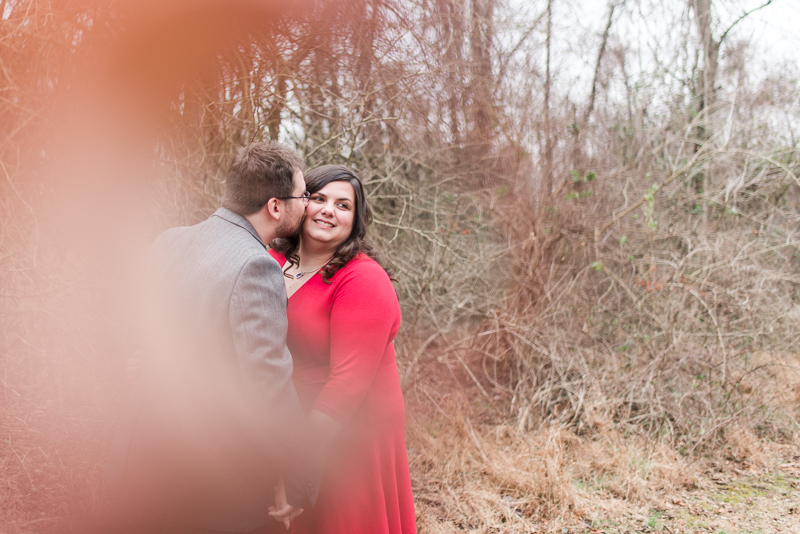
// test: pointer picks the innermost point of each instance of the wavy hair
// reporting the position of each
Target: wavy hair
(356, 243)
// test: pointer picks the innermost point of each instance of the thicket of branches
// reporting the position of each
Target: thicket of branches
(624, 255)
(620, 253)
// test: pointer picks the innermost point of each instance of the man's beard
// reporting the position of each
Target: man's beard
(290, 228)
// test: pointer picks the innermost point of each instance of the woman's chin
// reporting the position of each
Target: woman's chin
(316, 238)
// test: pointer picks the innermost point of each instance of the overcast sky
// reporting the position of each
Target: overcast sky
(774, 31)
(650, 29)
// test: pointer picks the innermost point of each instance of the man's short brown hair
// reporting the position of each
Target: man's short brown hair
(259, 172)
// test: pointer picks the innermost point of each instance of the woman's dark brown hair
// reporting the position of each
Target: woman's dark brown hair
(316, 179)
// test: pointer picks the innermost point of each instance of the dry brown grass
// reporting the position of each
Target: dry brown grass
(473, 476)
(474, 472)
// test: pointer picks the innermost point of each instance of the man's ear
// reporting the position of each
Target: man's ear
(273, 209)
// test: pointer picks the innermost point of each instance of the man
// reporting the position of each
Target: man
(214, 424)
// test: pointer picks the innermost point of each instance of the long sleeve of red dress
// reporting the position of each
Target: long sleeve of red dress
(364, 320)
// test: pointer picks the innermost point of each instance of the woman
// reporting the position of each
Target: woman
(343, 315)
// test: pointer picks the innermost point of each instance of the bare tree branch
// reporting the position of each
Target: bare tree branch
(737, 21)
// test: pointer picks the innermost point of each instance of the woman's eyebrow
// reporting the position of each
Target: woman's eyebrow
(340, 199)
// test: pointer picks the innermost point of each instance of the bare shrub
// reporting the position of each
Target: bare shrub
(658, 310)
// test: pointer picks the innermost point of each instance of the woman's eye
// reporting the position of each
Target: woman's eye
(318, 199)
(343, 206)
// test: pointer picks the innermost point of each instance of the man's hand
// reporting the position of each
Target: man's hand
(283, 512)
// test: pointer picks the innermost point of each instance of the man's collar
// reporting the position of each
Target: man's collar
(234, 218)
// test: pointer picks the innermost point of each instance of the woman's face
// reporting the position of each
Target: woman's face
(329, 215)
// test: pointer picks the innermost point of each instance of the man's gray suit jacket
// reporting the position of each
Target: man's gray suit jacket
(215, 417)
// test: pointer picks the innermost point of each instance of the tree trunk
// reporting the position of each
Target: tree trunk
(708, 74)
(705, 90)
(274, 115)
(452, 31)
(481, 36)
(366, 30)
(547, 160)
(600, 54)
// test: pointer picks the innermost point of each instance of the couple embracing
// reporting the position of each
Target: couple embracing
(270, 397)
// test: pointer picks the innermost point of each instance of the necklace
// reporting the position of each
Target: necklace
(301, 274)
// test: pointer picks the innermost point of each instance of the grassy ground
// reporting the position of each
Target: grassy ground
(730, 498)
(473, 470)
(473, 476)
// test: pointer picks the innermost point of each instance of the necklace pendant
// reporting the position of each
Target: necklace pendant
(298, 276)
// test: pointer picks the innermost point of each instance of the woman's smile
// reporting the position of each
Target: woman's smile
(324, 224)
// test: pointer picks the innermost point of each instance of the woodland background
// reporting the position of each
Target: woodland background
(599, 278)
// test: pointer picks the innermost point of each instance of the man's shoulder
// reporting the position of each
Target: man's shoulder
(167, 243)
(170, 234)
(233, 233)
(212, 246)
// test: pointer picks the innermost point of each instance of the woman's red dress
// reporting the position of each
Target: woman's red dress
(340, 337)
